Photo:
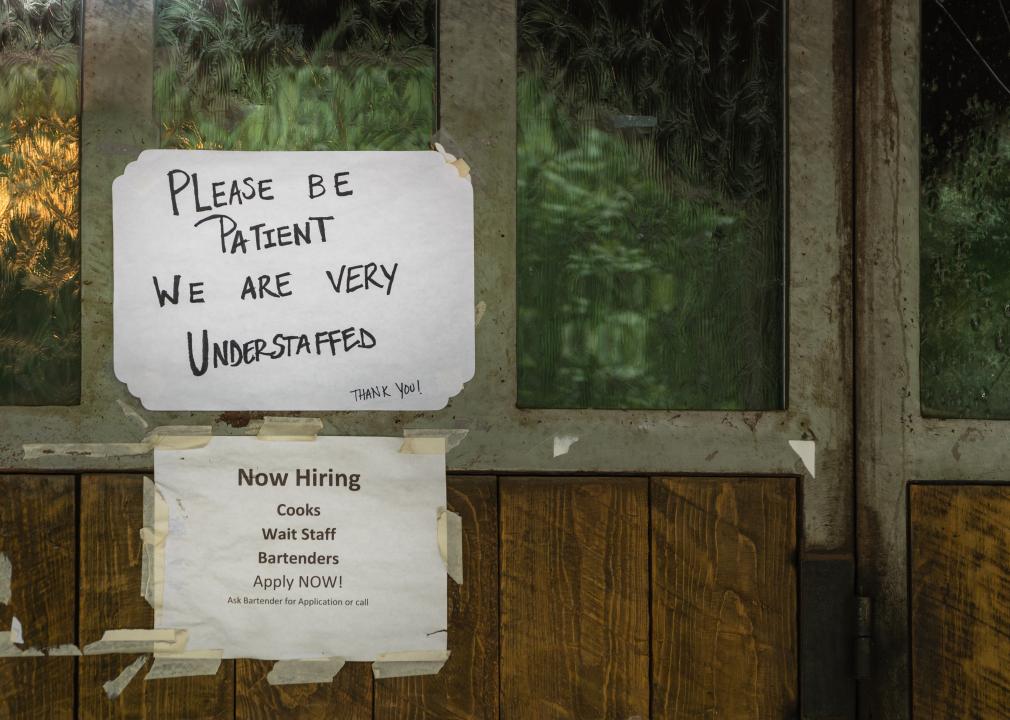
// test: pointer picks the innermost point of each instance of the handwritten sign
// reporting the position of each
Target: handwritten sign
(293, 280)
(286, 550)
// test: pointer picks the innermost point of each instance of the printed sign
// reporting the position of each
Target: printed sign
(287, 550)
(293, 280)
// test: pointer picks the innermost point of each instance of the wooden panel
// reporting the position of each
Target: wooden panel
(723, 598)
(110, 550)
(37, 532)
(348, 697)
(960, 586)
(574, 598)
(467, 687)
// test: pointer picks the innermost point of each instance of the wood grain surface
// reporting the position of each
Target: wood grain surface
(723, 598)
(110, 556)
(38, 521)
(574, 598)
(467, 687)
(960, 587)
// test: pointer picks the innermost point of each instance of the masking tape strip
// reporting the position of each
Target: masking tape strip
(17, 632)
(450, 543)
(179, 437)
(304, 672)
(424, 445)
(289, 428)
(186, 664)
(408, 664)
(6, 573)
(8, 649)
(114, 688)
(131, 413)
(64, 651)
(453, 436)
(168, 437)
(34, 451)
(461, 165)
(138, 641)
(153, 535)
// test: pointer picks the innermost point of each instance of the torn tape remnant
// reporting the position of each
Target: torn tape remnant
(289, 429)
(153, 535)
(478, 313)
(114, 688)
(68, 650)
(424, 445)
(138, 641)
(17, 632)
(453, 436)
(186, 664)
(6, 573)
(563, 443)
(131, 413)
(303, 672)
(8, 648)
(409, 664)
(450, 543)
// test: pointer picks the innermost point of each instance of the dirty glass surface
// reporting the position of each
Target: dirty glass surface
(650, 204)
(40, 301)
(965, 209)
(308, 75)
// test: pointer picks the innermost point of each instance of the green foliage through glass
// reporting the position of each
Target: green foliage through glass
(965, 209)
(311, 75)
(650, 204)
(40, 302)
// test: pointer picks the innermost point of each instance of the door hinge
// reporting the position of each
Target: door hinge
(862, 652)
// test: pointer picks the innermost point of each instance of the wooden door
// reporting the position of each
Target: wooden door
(637, 543)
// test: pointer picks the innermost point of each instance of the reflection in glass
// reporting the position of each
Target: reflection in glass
(40, 304)
(965, 209)
(650, 204)
(310, 75)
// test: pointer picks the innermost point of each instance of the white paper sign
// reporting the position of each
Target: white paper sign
(293, 280)
(287, 550)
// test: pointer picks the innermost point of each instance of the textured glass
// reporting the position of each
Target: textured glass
(650, 204)
(965, 209)
(308, 75)
(40, 300)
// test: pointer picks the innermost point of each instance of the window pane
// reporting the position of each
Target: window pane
(310, 75)
(965, 209)
(650, 204)
(40, 299)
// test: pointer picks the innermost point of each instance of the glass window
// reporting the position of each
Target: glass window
(40, 300)
(308, 75)
(965, 209)
(650, 204)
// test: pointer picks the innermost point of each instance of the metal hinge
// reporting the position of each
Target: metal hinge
(862, 652)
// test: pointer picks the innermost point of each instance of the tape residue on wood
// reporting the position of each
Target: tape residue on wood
(450, 542)
(304, 672)
(6, 573)
(290, 429)
(184, 664)
(408, 664)
(138, 641)
(114, 688)
(67, 650)
(452, 436)
(424, 445)
(153, 536)
(9, 649)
